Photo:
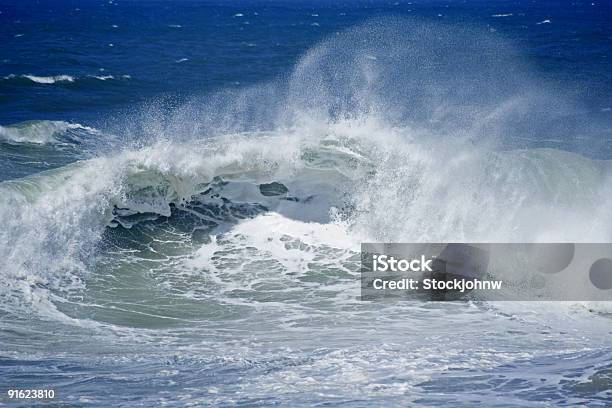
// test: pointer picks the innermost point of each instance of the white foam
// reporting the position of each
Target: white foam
(103, 77)
(40, 132)
(310, 233)
(49, 79)
(385, 180)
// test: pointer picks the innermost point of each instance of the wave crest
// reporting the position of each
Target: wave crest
(44, 132)
(399, 130)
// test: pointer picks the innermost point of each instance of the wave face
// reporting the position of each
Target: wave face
(34, 146)
(43, 132)
(224, 236)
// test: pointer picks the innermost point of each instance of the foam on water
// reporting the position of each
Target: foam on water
(337, 179)
(41, 131)
(103, 77)
(60, 79)
(223, 235)
(418, 162)
(49, 79)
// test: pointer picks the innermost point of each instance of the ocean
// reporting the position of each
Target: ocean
(185, 185)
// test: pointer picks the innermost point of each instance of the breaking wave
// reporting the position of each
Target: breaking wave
(59, 79)
(49, 79)
(393, 131)
(44, 132)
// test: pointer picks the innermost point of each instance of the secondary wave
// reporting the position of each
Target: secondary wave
(44, 132)
(58, 79)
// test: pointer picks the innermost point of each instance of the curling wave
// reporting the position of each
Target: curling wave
(386, 132)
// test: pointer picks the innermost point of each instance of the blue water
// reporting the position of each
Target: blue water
(143, 266)
(80, 39)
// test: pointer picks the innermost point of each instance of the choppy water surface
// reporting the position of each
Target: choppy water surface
(185, 187)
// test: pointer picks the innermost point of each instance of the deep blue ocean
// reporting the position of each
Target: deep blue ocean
(184, 186)
(161, 49)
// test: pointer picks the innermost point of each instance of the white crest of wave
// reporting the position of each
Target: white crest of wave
(401, 130)
(41, 131)
(103, 77)
(49, 79)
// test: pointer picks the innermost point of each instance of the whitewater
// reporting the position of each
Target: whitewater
(212, 249)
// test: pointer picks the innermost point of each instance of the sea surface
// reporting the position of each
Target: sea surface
(184, 187)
